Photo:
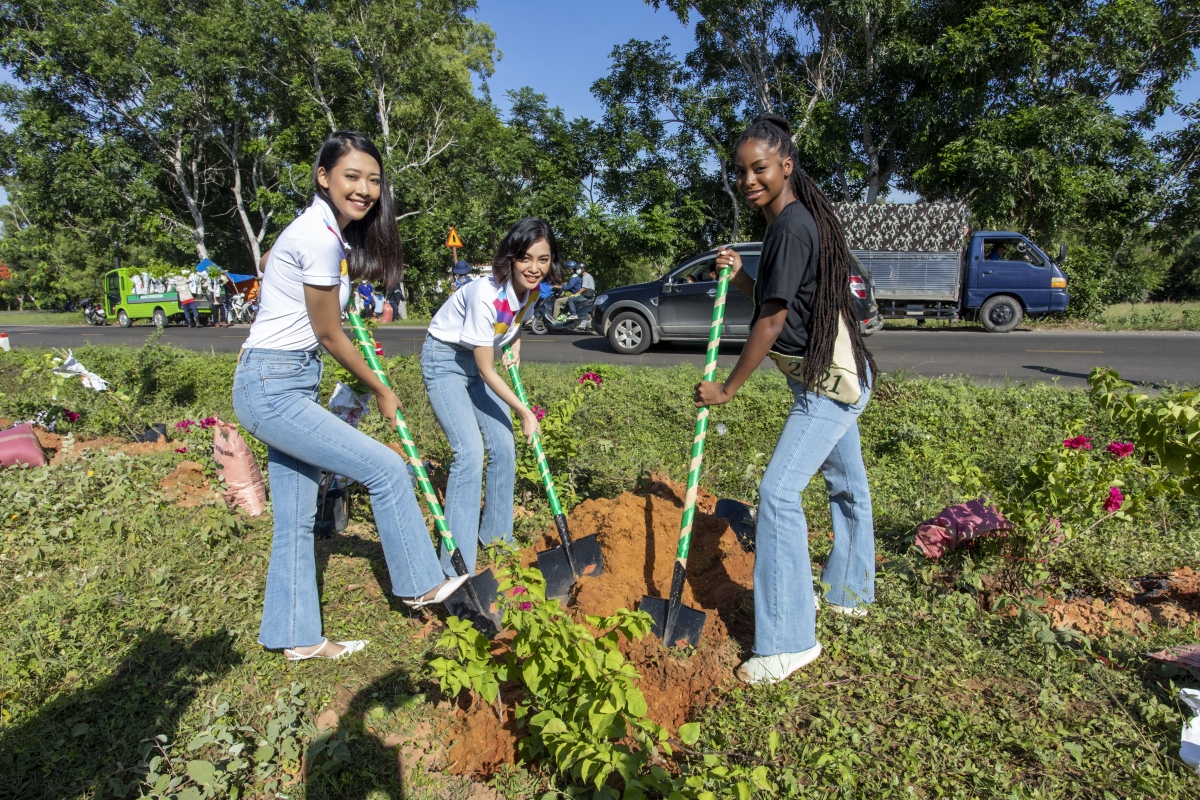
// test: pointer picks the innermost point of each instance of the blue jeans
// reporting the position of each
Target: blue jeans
(190, 314)
(275, 398)
(476, 422)
(820, 433)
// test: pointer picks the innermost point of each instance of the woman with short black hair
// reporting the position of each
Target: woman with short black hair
(470, 399)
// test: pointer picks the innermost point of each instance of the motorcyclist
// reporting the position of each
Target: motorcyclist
(573, 285)
(587, 291)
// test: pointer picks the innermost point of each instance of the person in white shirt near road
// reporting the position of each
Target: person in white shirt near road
(349, 231)
(469, 398)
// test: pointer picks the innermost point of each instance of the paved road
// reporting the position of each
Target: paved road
(1150, 358)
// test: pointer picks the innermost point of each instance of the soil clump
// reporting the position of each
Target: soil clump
(638, 534)
(1169, 600)
(52, 443)
(187, 485)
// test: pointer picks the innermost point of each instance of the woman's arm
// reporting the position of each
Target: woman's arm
(485, 360)
(762, 338)
(326, 319)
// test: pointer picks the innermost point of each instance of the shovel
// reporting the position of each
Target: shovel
(673, 622)
(560, 566)
(468, 602)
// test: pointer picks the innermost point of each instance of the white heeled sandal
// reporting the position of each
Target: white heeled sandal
(448, 587)
(352, 646)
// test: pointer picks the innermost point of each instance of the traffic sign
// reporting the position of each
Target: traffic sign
(453, 239)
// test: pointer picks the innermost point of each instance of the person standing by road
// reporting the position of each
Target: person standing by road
(470, 399)
(462, 275)
(804, 320)
(349, 231)
(187, 301)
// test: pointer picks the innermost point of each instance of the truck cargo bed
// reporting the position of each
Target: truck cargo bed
(914, 276)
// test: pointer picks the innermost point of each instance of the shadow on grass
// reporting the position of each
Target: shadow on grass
(93, 742)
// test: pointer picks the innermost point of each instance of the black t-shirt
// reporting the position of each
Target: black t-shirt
(787, 271)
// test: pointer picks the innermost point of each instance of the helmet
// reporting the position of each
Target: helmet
(570, 265)
(582, 266)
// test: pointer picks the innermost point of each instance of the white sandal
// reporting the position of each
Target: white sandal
(447, 588)
(352, 646)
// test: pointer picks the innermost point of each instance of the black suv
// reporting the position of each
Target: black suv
(676, 309)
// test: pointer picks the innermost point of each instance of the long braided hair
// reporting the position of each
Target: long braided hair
(832, 295)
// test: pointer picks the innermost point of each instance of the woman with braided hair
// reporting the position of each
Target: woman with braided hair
(804, 321)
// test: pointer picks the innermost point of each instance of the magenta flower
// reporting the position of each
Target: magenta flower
(181, 449)
(185, 425)
(525, 606)
(592, 378)
(1078, 443)
(520, 590)
(1120, 449)
(208, 422)
(538, 412)
(1114, 500)
(70, 416)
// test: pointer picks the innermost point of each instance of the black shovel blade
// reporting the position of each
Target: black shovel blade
(478, 601)
(556, 567)
(689, 624)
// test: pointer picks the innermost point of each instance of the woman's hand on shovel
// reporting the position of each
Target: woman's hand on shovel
(711, 393)
(530, 425)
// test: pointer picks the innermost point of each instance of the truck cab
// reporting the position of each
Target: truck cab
(1008, 277)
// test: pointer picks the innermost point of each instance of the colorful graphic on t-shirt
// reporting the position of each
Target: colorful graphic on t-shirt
(505, 313)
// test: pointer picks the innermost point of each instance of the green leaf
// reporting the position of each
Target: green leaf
(202, 772)
(689, 733)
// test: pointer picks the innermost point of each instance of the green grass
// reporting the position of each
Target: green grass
(129, 618)
(42, 318)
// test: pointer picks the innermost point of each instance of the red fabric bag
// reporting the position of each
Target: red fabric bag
(19, 445)
(957, 525)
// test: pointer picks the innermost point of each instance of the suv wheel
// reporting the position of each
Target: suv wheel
(1001, 314)
(629, 333)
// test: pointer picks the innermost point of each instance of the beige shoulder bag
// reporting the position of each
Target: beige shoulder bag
(840, 382)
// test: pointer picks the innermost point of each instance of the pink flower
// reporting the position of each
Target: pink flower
(185, 425)
(1114, 500)
(525, 606)
(520, 590)
(1120, 449)
(538, 412)
(181, 449)
(591, 377)
(1078, 443)
(208, 422)
(70, 416)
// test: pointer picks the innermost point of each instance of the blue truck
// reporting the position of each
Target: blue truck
(927, 263)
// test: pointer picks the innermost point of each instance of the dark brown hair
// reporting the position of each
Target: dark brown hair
(376, 254)
(832, 296)
(516, 244)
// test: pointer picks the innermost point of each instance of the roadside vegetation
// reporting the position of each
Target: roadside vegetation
(130, 664)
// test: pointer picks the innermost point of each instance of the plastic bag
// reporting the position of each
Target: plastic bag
(1189, 747)
(71, 368)
(236, 464)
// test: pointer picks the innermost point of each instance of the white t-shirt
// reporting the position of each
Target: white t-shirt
(309, 251)
(480, 313)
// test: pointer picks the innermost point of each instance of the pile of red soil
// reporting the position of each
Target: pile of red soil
(638, 534)
(187, 485)
(1177, 606)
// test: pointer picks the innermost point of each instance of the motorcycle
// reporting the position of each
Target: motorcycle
(240, 311)
(542, 320)
(93, 313)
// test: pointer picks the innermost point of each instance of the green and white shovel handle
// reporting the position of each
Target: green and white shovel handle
(543, 466)
(701, 432)
(367, 345)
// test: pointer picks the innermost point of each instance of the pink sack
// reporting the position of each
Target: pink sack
(386, 315)
(957, 525)
(19, 445)
(236, 464)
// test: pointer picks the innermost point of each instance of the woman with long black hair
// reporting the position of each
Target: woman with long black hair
(804, 321)
(349, 232)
